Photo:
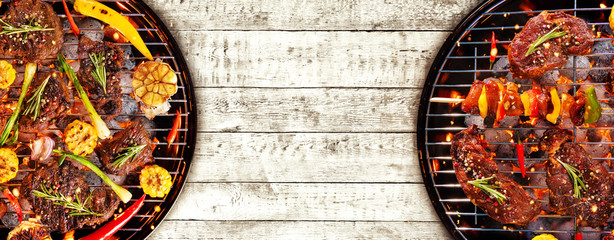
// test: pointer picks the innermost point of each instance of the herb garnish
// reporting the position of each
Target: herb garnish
(100, 72)
(127, 153)
(575, 178)
(34, 103)
(483, 185)
(78, 207)
(9, 29)
(550, 35)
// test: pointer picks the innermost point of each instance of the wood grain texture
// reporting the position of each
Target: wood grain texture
(303, 202)
(309, 59)
(305, 157)
(312, 14)
(307, 117)
(307, 110)
(175, 229)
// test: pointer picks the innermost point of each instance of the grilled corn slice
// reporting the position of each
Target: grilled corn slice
(9, 164)
(80, 137)
(155, 181)
(7, 74)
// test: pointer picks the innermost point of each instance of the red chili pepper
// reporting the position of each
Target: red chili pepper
(493, 49)
(74, 27)
(7, 193)
(113, 226)
(173, 133)
(520, 154)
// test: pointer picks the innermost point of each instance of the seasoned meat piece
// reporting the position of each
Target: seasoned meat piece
(32, 46)
(595, 204)
(552, 53)
(69, 182)
(107, 103)
(55, 103)
(471, 162)
(104, 201)
(111, 148)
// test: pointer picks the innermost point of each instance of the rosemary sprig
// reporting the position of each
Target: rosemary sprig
(100, 72)
(483, 185)
(127, 153)
(9, 29)
(77, 207)
(550, 35)
(34, 103)
(575, 178)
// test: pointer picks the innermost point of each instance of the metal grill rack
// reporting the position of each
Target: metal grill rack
(463, 58)
(176, 157)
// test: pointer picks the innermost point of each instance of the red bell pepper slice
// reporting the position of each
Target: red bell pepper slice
(113, 226)
(73, 25)
(172, 135)
(7, 193)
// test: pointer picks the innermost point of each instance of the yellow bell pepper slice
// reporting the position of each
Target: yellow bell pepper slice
(483, 103)
(556, 102)
(103, 13)
(526, 103)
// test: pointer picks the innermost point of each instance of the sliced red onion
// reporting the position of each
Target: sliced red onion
(42, 148)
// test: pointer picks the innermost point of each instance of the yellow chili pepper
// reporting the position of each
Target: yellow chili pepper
(483, 103)
(556, 102)
(103, 13)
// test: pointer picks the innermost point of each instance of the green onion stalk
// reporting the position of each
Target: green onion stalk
(101, 127)
(30, 71)
(123, 194)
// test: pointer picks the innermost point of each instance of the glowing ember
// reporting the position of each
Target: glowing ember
(449, 137)
(527, 6)
(436, 165)
(69, 235)
(455, 95)
(602, 5)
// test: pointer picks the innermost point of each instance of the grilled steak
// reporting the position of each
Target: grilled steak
(594, 205)
(104, 201)
(107, 103)
(55, 103)
(69, 182)
(133, 135)
(472, 162)
(32, 46)
(553, 52)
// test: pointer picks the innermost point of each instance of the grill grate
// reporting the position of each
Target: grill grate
(175, 157)
(463, 58)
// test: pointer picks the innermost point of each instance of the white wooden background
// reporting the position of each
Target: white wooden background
(307, 117)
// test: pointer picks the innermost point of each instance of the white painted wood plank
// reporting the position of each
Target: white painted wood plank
(307, 110)
(305, 157)
(309, 59)
(312, 14)
(300, 230)
(304, 201)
